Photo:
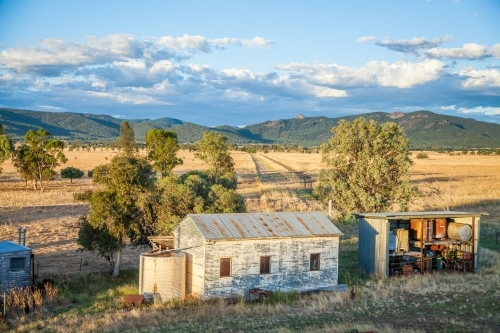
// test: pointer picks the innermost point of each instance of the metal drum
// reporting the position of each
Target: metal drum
(459, 231)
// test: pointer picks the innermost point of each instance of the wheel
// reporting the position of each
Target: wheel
(456, 266)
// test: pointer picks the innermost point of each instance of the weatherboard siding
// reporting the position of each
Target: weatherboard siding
(14, 278)
(289, 265)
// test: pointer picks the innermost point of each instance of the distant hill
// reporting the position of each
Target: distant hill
(424, 129)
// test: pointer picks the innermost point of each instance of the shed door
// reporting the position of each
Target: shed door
(373, 253)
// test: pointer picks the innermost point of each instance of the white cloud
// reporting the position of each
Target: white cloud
(449, 107)
(186, 42)
(401, 74)
(240, 74)
(328, 92)
(480, 78)
(365, 39)
(411, 46)
(469, 51)
(489, 111)
(257, 41)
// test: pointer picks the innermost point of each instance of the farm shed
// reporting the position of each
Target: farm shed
(15, 264)
(418, 242)
(229, 254)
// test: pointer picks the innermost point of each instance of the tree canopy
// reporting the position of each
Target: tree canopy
(126, 141)
(369, 167)
(71, 173)
(213, 149)
(115, 214)
(6, 146)
(163, 147)
(36, 159)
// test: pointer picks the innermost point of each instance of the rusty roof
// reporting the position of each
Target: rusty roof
(263, 225)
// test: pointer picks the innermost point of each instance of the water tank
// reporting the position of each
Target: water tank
(163, 274)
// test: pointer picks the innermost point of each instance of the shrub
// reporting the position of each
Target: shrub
(422, 155)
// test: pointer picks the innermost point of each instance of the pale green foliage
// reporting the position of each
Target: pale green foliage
(126, 141)
(195, 192)
(213, 149)
(163, 147)
(6, 146)
(36, 159)
(71, 173)
(117, 211)
(369, 167)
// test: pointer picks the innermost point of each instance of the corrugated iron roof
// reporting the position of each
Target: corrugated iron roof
(408, 215)
(263, 225)
(7, 246)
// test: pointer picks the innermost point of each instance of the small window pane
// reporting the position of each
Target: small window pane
(314, 264)
(17, 263)
(265, 265)
(225, 267)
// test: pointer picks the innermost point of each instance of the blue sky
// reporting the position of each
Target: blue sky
(244, 62)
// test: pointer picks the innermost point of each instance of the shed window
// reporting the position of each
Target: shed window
(225, 267)
(265, 265)
(17, 263)
(314, 262)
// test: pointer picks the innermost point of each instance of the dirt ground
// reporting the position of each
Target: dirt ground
(51, 217)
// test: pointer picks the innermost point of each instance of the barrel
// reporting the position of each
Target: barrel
(459, 231)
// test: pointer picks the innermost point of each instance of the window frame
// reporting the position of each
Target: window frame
(20, 267)
(316, 267)
(268, 264)
(229, 259)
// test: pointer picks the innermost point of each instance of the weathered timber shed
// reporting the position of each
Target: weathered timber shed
(228, 254)
(424, 241)
(15, 263)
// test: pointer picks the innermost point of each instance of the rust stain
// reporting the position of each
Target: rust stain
(242, 232)
(305, 225)
(221, 229)
(268, 228)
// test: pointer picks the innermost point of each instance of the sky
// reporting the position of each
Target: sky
(244, 62)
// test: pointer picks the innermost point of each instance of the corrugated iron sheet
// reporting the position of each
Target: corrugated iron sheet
(429, 214)
(262, 225)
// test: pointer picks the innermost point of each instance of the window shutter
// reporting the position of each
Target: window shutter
(225, 267)
(265, 265)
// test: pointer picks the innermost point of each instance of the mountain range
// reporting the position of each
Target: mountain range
(424, 129)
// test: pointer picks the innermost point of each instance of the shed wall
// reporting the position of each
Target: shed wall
(467, 248)
(373, 251)
(192, 243)
(290, 263)
(14, 278)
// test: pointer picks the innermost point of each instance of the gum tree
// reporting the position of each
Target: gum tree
(368, 167)
(116, 213)
(37, 158)
(163, 147)
(6, 146)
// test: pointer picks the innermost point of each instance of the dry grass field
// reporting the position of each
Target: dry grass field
(268, 182)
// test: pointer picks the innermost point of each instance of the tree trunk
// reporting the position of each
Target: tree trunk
(116, 270)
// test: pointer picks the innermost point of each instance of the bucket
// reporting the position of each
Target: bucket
(439, 263)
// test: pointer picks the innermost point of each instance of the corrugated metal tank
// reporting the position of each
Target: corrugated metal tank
(163, 274)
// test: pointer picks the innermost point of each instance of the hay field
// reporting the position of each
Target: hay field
(269, 182)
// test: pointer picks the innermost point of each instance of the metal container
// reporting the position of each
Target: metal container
(163, 274)
(439, 263)
(416, 229)
(459, 231)
(440, 228)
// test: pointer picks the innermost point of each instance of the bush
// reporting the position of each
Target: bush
(71, 173)
(422, 155)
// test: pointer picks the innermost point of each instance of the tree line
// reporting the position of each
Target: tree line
(367, 171)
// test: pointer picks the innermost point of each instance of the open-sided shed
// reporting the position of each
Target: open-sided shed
(421, 240)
